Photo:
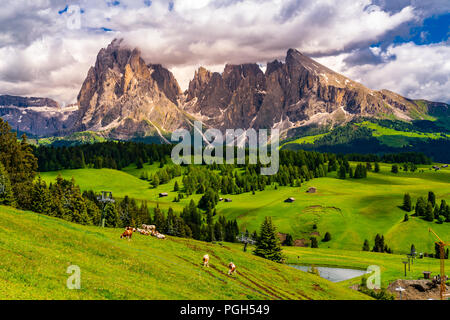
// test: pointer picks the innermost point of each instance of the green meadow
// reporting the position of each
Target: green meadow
(352, 210)
(396, 138)
(306, 139)
(387, 136)
(36, 251)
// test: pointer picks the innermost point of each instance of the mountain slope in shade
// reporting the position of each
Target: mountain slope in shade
(36, 116)
(123, 97)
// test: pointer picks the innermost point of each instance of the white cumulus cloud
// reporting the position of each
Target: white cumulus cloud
(41, 55)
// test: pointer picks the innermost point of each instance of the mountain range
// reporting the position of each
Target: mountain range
(124, 97)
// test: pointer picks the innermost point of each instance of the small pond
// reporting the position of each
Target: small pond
(333, 274)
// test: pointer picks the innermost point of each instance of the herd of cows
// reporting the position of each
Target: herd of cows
(148, 230)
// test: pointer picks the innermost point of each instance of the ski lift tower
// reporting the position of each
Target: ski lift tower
(443, 279)
(105, 198)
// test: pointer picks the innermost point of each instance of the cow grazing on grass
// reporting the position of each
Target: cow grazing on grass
(160, 235)
(206, 260)
(149, 227)
(143, 232)
(128, 233)
(231, 268)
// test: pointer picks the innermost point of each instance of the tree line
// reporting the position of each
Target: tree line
(111, 154)
(64, 199)
(427, 208)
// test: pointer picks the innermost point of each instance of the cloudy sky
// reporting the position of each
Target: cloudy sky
(47, 46)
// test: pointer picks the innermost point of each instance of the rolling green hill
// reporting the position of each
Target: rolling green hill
(378, 136)
(351, 210)
(36, 250)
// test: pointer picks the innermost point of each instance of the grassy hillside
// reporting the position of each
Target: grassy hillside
(70, 140)
(394, 134)
(122, 183)
(351, 210)
(35, 251)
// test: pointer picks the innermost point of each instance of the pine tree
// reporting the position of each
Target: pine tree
(176, 187)
(268, 244)
(155, 181)
(394, 168)
(432, 198)
(350, 172)
(40, 197)
(19, 163)
(429, 215)
(436, 212)
(314, 243)
(420, 208)
(209, 200)
(6, 193)
(407, 206)
(342, 172)
(289, 241)
(327, 237)
(111, 216)
(366, 246)
(377, 167)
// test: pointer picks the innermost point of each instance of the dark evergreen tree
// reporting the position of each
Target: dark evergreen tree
(420, 207)
(268, 244)
(6, 192)
(429, 215)
(432, 198)
(314, 243)
(407, 206)
(394, 168)
(366, 246)
(209, 200)
(342, 172)
(289, 241)
(377, 167)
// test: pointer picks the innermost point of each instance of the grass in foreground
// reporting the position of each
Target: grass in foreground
(35, 251)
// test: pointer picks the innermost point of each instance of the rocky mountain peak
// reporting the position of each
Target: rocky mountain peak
(123, 93)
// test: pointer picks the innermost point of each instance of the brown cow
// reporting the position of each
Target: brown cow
(128, 233)
(206, 260)
(231, 268)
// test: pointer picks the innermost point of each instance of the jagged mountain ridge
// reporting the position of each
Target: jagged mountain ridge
(36, 116)
(124, 97)
(297, 92)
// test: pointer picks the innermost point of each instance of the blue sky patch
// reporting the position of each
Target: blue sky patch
(434, 29)
(63, 10)
(114, 3)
